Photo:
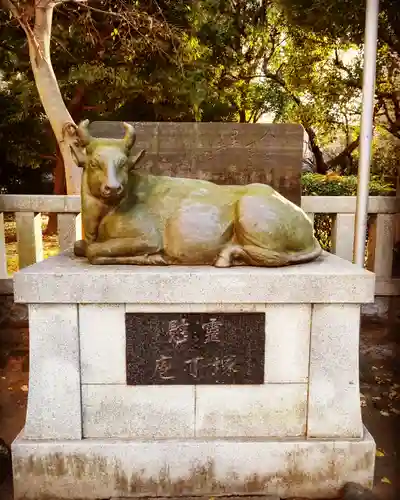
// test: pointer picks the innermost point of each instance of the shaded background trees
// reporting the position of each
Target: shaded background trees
(204, 60)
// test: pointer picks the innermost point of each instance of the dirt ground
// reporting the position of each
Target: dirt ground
(380, 400)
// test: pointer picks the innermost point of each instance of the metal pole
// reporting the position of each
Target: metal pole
(368, 101)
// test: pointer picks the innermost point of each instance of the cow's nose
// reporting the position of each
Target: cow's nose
(111, 190)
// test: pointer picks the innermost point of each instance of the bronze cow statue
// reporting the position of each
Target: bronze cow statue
(136, 218)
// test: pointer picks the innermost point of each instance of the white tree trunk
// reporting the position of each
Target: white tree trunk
(49, 91)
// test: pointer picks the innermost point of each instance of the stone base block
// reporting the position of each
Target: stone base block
(104, 468)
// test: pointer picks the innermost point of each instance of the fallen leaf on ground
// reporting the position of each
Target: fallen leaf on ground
(384, 413)
(386, 480)
(24, 388)
(379, 453)
(395, 411)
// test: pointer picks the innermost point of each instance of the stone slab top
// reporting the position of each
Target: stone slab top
(68, 279)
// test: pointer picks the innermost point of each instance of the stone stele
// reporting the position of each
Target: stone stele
(133, 217)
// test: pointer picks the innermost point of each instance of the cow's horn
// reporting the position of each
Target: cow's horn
(130, 136)
(83, 132)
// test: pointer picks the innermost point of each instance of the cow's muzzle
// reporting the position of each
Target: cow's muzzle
(108, 191)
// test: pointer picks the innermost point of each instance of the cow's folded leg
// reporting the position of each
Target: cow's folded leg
(121, 247)
(80, 248)
(138, 260)
(124, 251)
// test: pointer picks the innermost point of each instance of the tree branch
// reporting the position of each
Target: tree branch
(8, 4)
(277, 79)
(339, 159)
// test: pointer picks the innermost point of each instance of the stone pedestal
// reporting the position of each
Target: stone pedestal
(90, 435)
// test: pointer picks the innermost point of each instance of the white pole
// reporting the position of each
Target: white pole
(368, 102)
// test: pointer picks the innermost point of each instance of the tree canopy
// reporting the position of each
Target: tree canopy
(204, 60)
(343, 21)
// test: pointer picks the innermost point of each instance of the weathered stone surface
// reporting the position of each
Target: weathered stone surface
(195, 308)
(343, 236)
(29, 238)
(228, 153)
(287, 343)
(329, 279)
(102, 343)
(54, 398)
(334, 407)
(146, 412)
(93, 469)
(69, 230)
(270, 410)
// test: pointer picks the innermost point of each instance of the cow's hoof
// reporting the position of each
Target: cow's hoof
(80, 248)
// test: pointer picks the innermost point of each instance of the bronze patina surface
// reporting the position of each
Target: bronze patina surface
(133, 217)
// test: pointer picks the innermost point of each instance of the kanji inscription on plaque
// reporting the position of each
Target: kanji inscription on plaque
(195, 348)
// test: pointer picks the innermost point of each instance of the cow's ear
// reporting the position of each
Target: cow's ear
(78, 154)
(134, 159)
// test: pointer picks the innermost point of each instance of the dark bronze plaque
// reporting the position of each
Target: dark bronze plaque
(195, 348)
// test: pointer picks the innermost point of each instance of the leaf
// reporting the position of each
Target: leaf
(379, 453)
(395, 411)
(384, 413)
(24, 388)
(386, 480)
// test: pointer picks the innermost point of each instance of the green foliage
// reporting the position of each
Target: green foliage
(336, 185)
(108, 58)
(322, 185)
(385, 154)
(342, 21)
(198, 60)
(342, 18)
